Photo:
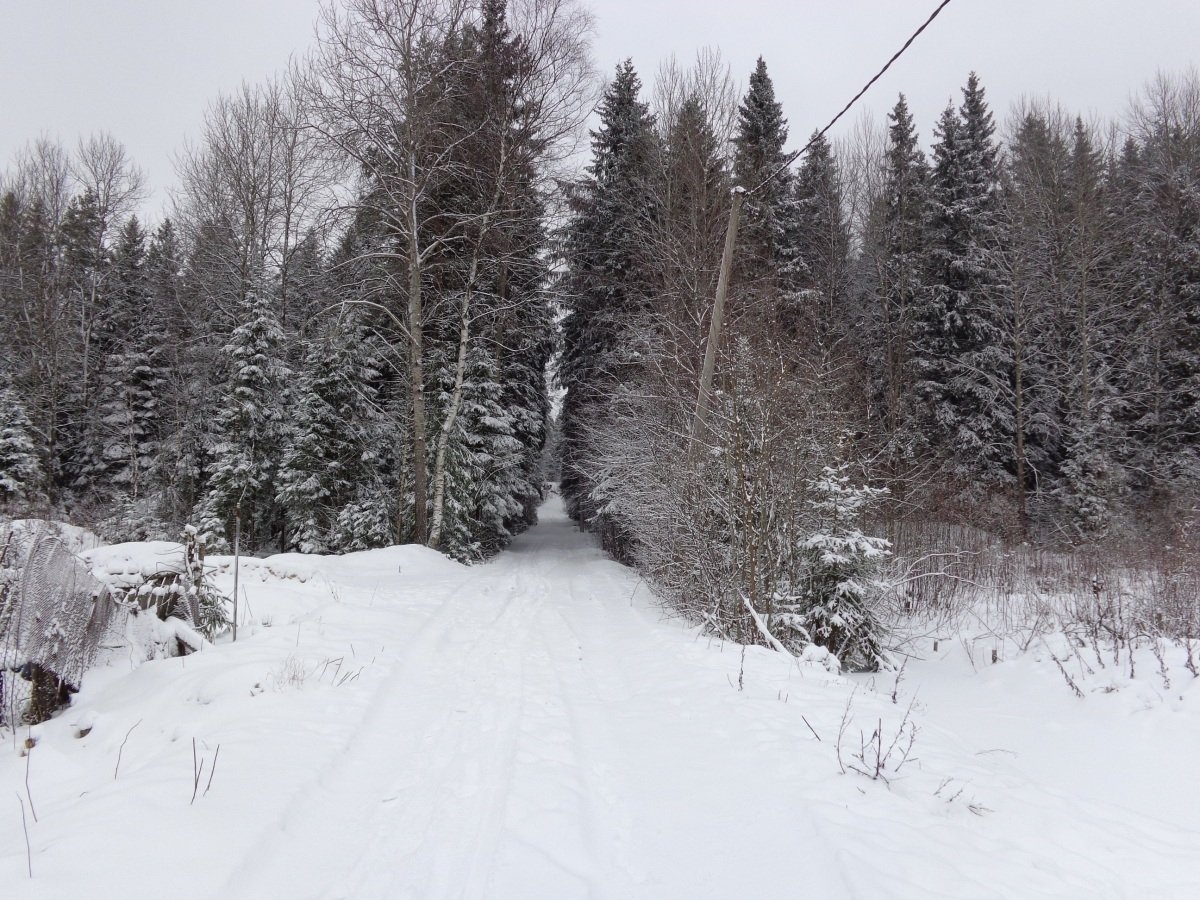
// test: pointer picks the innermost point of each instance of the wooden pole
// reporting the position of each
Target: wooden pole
(704, 397)
(237, 541)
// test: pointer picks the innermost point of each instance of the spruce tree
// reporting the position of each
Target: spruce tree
(308, 296)
(1167, 216)
(838, 607)
(902, 237)
(961, 361)
(766, 239)
(1035, 313)
(247, 434)
(331, 450)
(692, 214)
(186, 355)
(485, 477)
(133, 376)
(55, 367)
(20, 470)
(606, 279)
(822, 247)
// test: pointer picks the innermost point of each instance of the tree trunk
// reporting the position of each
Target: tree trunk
(416, 373)
(1019, 429)
(443, 444)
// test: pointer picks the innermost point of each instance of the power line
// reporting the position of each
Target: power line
(703, 401)
(845, 109)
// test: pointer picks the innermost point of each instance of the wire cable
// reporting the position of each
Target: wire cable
(845, 109)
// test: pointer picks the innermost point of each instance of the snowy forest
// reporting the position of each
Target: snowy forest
(443, 263)
(493, 471)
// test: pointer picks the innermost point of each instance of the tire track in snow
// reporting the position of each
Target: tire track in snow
(438, 835)
(606, 823)
(318, 841)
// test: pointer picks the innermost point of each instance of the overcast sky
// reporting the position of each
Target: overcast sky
(144, 69)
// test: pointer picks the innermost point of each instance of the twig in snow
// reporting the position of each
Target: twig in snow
(912, 737)
(121, 749)
(899, 677)
(810, 728)
(197, 771)
(842, 729)
(1156, 648)
(29, 745)
(28, 849)
(1065, 674)
(212, 771)
(873, 761)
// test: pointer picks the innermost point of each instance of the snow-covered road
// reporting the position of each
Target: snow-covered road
(486, 766)
(393, 725)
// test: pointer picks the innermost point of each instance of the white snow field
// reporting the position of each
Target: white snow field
(395, 725)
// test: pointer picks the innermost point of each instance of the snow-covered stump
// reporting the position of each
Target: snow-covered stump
(171, 608)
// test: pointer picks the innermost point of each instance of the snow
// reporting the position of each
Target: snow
(127, 565)
(75, 537)
(394, 724)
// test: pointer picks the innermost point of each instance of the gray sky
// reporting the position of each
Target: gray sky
(144, 69)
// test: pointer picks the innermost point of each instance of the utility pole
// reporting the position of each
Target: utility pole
(237, 558)
(704, 397)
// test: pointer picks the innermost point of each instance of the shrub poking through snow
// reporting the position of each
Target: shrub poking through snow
(835, 608)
